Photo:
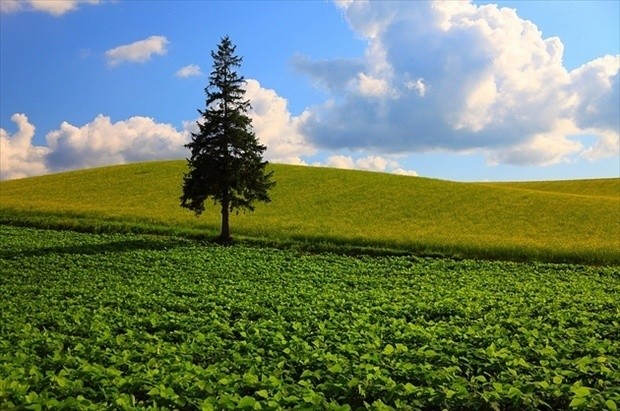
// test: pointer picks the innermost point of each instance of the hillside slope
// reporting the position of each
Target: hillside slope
(576, 221)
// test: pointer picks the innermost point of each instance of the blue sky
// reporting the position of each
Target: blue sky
(454, 90)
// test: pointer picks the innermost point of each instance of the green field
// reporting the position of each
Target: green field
(121, 321)
(575, 221)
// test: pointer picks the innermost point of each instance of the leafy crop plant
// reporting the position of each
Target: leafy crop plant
(134, 322)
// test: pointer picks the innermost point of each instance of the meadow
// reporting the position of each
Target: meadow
(125, 321)
(329, 209)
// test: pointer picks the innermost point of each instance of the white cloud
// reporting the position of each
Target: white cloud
(461, 77)
(404, 172)
(138, 51)
(53, 7)
(18, 157)
(607, 145)
(595, 94)
(419, 86)
(543, 150)
(191, 70)
(340, 161)
(275, 127)
(368, 163)
(377, 163)
(102, 142)
(370, 86)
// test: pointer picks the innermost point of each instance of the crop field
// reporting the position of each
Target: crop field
(565, 221)
(121, 321)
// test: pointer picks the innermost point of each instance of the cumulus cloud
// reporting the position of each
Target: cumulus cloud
(368, 163)
(595, 94)
(607, 143)
(55, 7)
(191, 70)
(275, 127)
(138, 51)
(105, 142)
(18, 157)
(97, 143)
(459, 77)
(541, 150)
(102, 142)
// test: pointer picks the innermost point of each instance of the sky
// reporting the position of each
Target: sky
(456, 90)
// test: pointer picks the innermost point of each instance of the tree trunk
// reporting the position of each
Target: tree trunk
(225, 233)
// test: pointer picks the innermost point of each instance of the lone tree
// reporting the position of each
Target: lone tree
(226, 164)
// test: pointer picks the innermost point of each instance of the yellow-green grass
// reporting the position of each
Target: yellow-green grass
(576, 221)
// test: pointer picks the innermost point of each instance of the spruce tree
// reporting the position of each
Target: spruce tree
(226, 163)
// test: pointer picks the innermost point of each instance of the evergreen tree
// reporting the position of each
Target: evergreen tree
(226, 164)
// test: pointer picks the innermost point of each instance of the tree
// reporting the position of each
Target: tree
(226, 163)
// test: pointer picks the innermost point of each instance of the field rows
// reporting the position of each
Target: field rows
(138, 322)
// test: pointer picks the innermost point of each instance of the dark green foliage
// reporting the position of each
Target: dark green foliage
(226, 164)
(134, 322)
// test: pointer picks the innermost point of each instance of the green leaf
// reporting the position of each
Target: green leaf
(576, 402)
(206, 406)
(611, 405)
(336, 369)
(410, 388)
(168, 392)
(250, 379)
(514, 392)
(558, 379)
(32, 397)
(522, 363)
(307, 374)
(313, 398)
(124, 401)
(389, 349)
(449, 393)
(581, 391)
(401, 348)
(353, 382)
(263, 393)
(62, 381)
(246, 402)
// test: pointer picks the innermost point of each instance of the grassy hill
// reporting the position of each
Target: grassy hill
(575, 221)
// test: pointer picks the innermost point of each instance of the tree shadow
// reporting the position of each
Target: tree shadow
(94, 249)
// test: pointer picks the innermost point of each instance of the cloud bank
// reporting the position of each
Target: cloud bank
(458, 77)
(53, 7)
(97, 143)
(104, 142)
(138, 51)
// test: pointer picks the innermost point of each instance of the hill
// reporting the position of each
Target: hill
(576, 221)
